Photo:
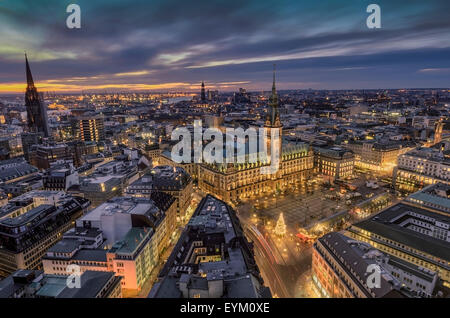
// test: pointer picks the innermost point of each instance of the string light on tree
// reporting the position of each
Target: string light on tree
(280, 228)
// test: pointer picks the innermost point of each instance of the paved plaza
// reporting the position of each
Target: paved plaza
(299, 209)
(290, 257)
(306, 205)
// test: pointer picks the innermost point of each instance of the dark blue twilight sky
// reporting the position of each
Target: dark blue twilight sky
(174, 44)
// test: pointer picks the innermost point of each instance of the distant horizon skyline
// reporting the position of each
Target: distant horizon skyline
(230, 91)
(171, 45)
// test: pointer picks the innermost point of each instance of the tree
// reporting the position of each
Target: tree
(280, 228)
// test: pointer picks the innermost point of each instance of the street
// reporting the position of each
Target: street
(281, 261)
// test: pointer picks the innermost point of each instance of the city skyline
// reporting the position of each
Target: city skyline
(224, 150)
(173, 46)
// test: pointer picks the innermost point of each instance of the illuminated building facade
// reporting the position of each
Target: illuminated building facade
(12, 146)
(60, 177)
(99, 189)
(26, 238)
(170, 180)
(44, 156)
(340, 265)
(134, 257)
(124, 235)
(435, 197)
(152, 152)
(421, 167)
(234, 181)
(109, 179)
(191, 168)
(413, 234)
(89, 128)
(379, 157)
(334, 163)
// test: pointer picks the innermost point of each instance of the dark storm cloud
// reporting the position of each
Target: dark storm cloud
(321, 43)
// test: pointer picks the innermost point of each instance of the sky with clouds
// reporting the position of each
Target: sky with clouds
(175, 44)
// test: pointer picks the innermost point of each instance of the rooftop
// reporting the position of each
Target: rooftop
(16, 171)
(17, 281)
(355, 257)
(436, 196)
(130, 205)
(37, 194)
(28, 216)
(213, 224)
(385, 224)
(163, 178)
(132, 240)
(65, 246)
(428, 154)
(98, 179)
(92, 282)
(334, 152)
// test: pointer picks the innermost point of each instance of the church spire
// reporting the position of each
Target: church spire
(203, 95)
(30, 82)
(273, 118)
(273, 101)
(36, 108)
(274, 90)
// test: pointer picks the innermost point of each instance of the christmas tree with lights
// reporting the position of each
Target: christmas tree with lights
(280, 228)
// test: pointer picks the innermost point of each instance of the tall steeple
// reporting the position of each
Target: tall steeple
(203, 95)
(273, 129)
(30, 82)
(274, 90)
(273, 115)
(36, 109)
